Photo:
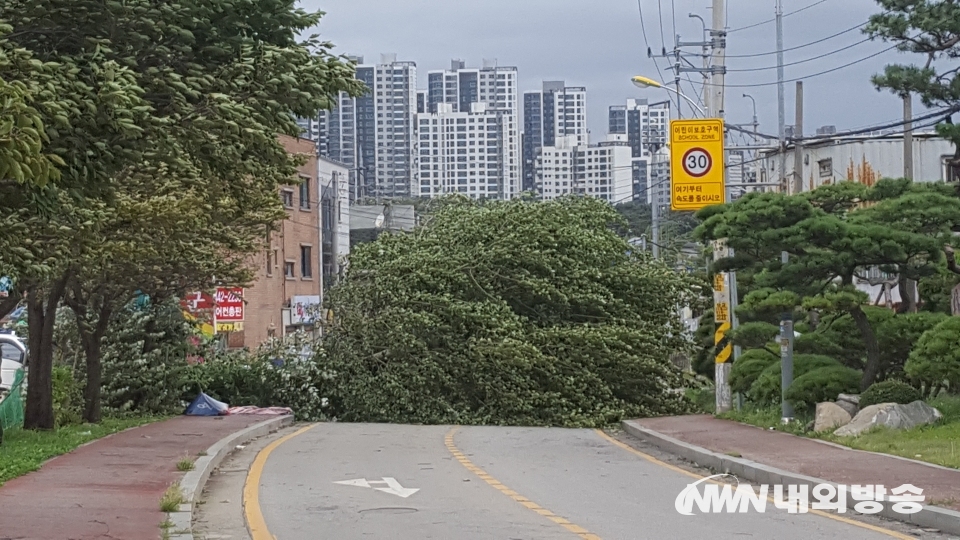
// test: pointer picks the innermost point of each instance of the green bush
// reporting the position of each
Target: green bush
(899, 335)
(748, 368)
(822, 384)
(934, 362)
(282, 373)
(890, 391)
(67, 397)
(766, 389)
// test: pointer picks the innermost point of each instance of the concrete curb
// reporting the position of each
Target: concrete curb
(931, 517)
(192, 483)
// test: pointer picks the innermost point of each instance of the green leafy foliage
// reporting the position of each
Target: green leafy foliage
(832, 240)
(282, 373)
(927, 28)
(891, 391)
(507, 313)
(67, 397)
(747, 369)
(934, 363)
(823, 384)
(766, 389)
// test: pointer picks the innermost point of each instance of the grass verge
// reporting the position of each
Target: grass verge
(25, 451)
(936, 443)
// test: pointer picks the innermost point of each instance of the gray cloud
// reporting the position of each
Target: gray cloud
(599, 44)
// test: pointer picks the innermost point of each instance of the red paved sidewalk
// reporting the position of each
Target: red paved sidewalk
(810, 457)
(109, 489)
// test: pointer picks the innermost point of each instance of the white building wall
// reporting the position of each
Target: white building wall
(570, 114)
(464, 152)
(863, 160)
(604, 171)
(659, 189)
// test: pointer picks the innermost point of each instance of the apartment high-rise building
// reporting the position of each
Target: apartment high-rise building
(644, 126)
(466, 152)
(556, 111)
(373, 135)
(659, 188)
(603, 171)
(453, 95)
(422, 101)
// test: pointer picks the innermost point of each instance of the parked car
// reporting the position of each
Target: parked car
(13, 358)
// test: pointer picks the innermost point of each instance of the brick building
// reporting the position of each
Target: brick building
(288, 281)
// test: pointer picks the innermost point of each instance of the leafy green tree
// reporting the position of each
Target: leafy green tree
(934, 363)
(833, 237)
(927, 28)
(195, 91)
(507, 313)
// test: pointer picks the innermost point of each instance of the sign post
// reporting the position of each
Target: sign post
(698, 180)
(696, 164)
(723, 316)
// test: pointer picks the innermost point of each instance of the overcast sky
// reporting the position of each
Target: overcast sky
(599, 44)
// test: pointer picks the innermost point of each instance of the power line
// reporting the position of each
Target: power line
(768, 21)
(818, 57)
(660, 15)
(805, 45)
(812, 75)
(646, 42)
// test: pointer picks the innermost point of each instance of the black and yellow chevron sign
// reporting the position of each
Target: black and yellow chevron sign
(722, 316)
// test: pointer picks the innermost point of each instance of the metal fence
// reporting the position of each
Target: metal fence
(11, 407)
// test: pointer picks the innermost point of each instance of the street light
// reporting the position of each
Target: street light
(645, 82)
(755, 123)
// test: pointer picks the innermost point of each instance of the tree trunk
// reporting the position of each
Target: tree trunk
(955, 301)
(40, 321)
(872, 367)
(93, 349)
(908, 301)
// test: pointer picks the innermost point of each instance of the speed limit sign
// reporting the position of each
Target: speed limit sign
(697, 172)
(697, 162)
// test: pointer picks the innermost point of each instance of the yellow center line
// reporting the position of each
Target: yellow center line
(566, 524)
(251, 489)
(848, 521)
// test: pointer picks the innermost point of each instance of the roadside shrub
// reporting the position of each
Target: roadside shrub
(748, 368)
(282, 373)
(889, 392)
(934, 362)
(899, 335)
(766, 389)
(67, 397)
(822, 384)
(144, 360)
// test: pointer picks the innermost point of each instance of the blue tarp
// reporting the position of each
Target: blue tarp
(205, 405)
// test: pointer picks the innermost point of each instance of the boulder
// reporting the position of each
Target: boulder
(853, 399)
(830, 416)
(851, 409)
(890, 415)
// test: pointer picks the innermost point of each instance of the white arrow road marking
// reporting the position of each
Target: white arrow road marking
(359, 483)
(393, 487)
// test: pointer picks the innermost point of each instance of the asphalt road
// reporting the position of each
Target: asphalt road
(494, 483)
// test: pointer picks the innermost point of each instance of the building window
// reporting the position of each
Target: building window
(950, 173)
(826, 167)
(306, 262)
(269, 262)
(304, 193)
(287, 197)
(289, 269)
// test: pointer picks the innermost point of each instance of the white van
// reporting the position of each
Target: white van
(13, 358)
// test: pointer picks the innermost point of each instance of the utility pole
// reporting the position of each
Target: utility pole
(725, 285)
(781, 99)
(786, 319)
(908, 136)
(797, 143)
(655, 209)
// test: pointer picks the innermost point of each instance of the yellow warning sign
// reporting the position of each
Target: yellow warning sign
(696, 164)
